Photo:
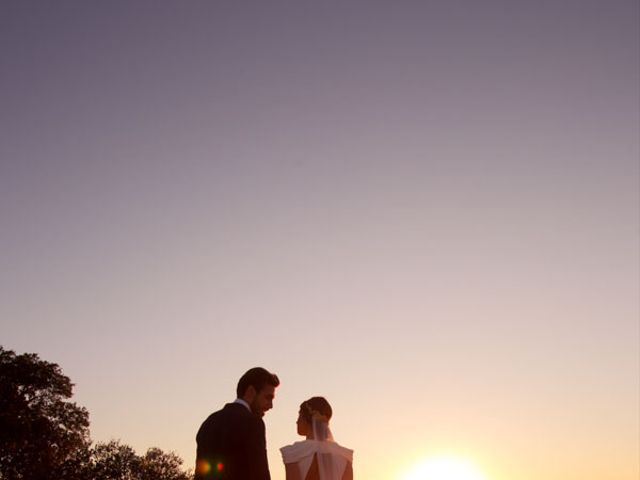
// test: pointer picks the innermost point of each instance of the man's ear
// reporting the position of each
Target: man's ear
(249, 394)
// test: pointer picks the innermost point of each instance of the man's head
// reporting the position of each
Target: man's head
(257, 387)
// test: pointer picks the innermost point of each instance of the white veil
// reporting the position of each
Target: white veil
(321, 430)
(329, 468)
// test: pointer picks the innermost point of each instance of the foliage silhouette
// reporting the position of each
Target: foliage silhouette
(44, 436)
(115, 461)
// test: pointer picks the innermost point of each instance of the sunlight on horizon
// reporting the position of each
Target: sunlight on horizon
(444, 468)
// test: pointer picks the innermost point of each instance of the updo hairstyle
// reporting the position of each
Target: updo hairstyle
(315, 406)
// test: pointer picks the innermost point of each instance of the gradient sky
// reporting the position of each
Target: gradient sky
(427, 211)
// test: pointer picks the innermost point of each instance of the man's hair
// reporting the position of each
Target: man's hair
(257, 378)
(315, 404)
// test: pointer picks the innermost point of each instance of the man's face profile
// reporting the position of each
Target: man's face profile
(263, 400)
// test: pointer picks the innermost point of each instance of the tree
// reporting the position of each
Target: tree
(115, 461)
(158, 464)
(43, 436)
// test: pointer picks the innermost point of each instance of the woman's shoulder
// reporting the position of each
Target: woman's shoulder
(297, 451)
(305, 448)
(343, 451)
(301, 445)
(295, 444)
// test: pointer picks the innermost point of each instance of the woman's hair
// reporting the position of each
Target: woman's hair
(317, 405)
(257, 378)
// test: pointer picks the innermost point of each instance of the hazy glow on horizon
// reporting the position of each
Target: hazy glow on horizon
(428, 212)
(444, 468)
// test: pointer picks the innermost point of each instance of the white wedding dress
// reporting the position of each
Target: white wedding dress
(332, 458)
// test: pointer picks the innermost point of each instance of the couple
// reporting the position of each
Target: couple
(232, 445)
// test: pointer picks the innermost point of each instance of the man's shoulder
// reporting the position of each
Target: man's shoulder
(231, 411)
(233, 417)
(235, 409)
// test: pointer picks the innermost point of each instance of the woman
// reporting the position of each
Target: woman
(318, 457)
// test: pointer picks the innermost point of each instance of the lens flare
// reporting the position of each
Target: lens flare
(203, 467)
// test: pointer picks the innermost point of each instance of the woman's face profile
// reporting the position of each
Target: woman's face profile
(303, 425)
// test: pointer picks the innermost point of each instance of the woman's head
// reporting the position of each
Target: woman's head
(317, 410)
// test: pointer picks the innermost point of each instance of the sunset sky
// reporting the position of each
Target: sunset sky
(426, 211)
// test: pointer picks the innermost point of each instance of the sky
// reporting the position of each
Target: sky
(427, 212)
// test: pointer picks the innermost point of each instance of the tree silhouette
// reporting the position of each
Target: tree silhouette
(42, 435)
(115, 461)
(158, 464)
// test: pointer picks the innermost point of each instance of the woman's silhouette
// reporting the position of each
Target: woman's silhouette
(318, 457)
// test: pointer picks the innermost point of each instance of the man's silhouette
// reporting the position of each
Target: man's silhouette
(231, 442)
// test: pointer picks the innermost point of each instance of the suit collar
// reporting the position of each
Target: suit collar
(242, 402)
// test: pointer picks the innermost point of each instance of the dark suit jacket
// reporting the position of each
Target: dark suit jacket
(232, 446)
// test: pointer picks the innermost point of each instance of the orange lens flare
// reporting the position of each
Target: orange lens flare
(203, 467)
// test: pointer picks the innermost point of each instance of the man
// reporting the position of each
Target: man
(231, 442)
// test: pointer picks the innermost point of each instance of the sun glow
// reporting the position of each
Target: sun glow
(444, 468)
